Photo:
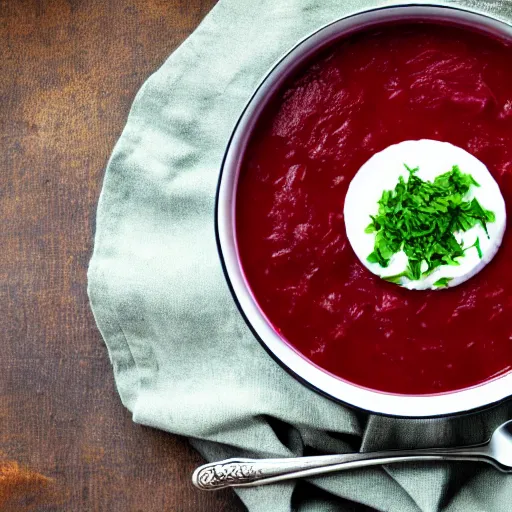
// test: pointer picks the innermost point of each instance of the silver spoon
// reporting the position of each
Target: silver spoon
(251, 472)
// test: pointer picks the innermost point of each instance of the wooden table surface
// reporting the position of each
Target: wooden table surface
(69, 72)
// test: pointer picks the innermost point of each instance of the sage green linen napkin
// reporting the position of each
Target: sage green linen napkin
(183, 358)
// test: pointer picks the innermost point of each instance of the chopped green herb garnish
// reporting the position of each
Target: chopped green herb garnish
(476, 245)
(396, 278)
(443, 282)
(421, 217)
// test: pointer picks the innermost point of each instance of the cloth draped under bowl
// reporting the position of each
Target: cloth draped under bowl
(183, 358)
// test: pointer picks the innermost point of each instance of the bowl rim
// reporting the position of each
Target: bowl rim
(477, 397)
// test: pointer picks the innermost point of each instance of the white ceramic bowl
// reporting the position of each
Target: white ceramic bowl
(384, 403)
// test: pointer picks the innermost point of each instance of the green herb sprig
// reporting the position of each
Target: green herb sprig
(421, 217)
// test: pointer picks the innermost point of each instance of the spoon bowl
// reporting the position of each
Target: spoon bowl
(500, 446)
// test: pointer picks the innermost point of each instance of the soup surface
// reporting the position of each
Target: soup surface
(371, 90)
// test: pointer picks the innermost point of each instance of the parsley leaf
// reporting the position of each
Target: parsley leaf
(476, 245)
(443, 282)
(421, 217)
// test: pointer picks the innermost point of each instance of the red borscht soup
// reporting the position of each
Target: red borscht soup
(371, 90)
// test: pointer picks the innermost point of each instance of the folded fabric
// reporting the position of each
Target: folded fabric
(183, 358)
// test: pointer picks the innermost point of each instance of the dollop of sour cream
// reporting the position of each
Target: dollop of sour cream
(381, 172)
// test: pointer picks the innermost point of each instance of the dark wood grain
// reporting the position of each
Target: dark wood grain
(69, 72)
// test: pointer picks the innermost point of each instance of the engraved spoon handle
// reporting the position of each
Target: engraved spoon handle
(252, 472)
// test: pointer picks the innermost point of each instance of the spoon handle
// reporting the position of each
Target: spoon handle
(253, 472)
